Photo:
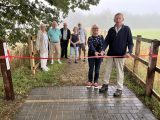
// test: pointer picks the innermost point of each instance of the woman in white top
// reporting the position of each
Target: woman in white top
(42, 46)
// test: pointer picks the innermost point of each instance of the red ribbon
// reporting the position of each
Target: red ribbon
(38, 58)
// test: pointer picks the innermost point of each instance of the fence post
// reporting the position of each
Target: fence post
(151, 67)
(6, 73)
(31, 52)
(137, 53)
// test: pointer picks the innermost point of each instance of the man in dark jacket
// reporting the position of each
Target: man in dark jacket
(119, 38)
(65, 40)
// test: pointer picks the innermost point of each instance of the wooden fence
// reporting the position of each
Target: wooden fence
(151, 64)
(33, 52)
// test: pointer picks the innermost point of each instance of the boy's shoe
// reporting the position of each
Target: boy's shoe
(88, 84)
(104, 88)
(59, 62)
(118, 93)
(96, 85)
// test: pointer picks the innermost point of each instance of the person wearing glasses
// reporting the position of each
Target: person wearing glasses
(95, 45)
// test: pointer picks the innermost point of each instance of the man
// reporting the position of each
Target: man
(119, 38)
(54, 34)
(83, 40)
(65, 40)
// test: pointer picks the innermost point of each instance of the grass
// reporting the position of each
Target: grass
(23, 82)
(147, 33)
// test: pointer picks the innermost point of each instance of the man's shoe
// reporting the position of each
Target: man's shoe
(104, 88)
(118, 93)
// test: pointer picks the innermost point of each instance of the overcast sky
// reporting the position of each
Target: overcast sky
(130, 6)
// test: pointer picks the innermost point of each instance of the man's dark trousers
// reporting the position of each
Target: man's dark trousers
(64, 48)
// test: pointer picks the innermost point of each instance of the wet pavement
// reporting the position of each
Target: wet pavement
(80, 103)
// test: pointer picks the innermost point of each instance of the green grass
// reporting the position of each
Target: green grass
(147, 33)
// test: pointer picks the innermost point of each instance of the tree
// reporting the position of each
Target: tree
(20, 18)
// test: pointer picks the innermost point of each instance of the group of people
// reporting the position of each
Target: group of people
(119, 38)
(56, 41)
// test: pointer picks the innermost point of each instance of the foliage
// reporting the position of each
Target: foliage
(20, 18)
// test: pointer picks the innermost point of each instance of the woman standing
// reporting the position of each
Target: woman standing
(74, 41)
(42, 46)
(95, 44)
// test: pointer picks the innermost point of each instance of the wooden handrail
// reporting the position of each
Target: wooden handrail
(152, 68)
(145, 39)
(157, 69)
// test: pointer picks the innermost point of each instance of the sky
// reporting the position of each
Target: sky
(130, 6)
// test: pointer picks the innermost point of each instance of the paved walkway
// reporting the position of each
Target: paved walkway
(78, 103)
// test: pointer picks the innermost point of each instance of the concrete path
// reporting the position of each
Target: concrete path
(79, 103)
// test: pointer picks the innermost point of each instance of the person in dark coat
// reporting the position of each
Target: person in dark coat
(95, 45)
(119, 38)
(65, 40)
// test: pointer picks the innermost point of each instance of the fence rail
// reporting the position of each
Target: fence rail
(151, 64)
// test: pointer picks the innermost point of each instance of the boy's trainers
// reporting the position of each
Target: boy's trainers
(118, 93)
(104, 88)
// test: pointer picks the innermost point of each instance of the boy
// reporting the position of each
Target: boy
(119, 38)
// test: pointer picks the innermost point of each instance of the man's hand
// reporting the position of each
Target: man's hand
(127, 55)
